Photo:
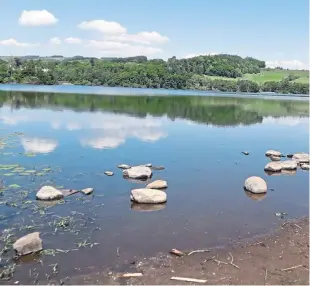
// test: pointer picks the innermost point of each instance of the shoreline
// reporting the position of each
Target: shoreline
(279, 257)
(130, 91)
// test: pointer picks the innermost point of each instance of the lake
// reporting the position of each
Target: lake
(70, 140)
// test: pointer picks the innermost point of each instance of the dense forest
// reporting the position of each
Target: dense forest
(217, 72)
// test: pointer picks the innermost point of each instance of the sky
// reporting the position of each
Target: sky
(276, 31)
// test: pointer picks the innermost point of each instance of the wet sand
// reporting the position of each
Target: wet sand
(280, 257)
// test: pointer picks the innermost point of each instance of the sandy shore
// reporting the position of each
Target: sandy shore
(277, 258)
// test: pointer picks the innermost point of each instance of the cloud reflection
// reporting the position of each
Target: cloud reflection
(38, 145)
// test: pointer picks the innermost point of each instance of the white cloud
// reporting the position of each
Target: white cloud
(117, 49)
(145, 38)
(14, 43)
(38, 145)
(74, 41)
(106, 27)
(199, 54)
(55, 41)
(37, 18)
(288, 64)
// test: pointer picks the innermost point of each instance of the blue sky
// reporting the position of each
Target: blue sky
(272, 30)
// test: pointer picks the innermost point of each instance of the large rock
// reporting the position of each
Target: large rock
(29, 243)
(305, 166)
(289, 165)
(301, 157)
(158, 184)
(273, 167)
(48, 193)
(255, 185)
(273, 153)
(138, 172)
(148, 196)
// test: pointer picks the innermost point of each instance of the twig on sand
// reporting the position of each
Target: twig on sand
(293, 267)
(257, 243)
(297, 225)
(117, 251)
(197, 251)
(227, 263)
(129, 275)
(189, 279)
(266, 273)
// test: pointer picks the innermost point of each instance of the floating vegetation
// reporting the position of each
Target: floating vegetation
(14, 186)
(29, 154)
(7, 272)
(9, 174)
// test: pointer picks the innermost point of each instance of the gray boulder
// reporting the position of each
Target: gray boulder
(29, 243)
(123, 166)
(148, 196)
(138, 172)
(255, 185)
(305, 166)
(49, 193)
(158, 184)
(273, 167)
(289, 165)
(301, 157)
(273, 153)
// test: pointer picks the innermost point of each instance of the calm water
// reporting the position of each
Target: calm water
(69, 140)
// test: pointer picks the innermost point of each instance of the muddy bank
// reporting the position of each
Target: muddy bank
(278, 258)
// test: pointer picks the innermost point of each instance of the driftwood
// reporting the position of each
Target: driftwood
(198, 251)
(189, 279)
(293, 267)
(129, 275)
(176, 252)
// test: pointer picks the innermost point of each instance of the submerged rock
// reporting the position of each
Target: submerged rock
(49, 193)
(158, 168)
(138, 172)
(289, 165)
(108, 173)
(29, 243)
(123, 166)
(148, 196)
(301, 157)
(275, 158)
(148, 165)
(273, 153)
(158, 184)
(87, 191)
(255, 185)
(305, 166)
(273, 167)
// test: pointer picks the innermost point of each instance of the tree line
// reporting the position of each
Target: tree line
(218, 72)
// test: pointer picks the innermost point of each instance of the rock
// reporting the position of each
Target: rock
(158, 184)
(273, 153)
(255, 185)
(148, 165)
(275, 158)
(301, 157)
(124, 166)
(273, 167)
(245, 152)
(29, 243)
(87, 191)
(48, 193)
(289, 165)
(148, 196)
(289, 155)
(138, 172)
(108, 173)
(67, 193)
(305, 166)
(158, 168)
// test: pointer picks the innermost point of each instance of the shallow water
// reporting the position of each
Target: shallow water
(69, 140)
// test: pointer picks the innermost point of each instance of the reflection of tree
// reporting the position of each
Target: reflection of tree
(210, 110)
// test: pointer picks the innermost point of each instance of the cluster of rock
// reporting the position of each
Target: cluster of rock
(49, 193)
(257, 185)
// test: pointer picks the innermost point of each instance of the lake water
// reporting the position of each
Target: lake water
(69, 140)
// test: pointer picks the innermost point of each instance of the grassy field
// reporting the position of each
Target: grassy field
(272, 75)
(277, 75)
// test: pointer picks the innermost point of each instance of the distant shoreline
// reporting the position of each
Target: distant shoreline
(138, 91)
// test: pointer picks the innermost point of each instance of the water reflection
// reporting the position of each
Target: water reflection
(38, 145)
(147, 207)
(255, 197)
